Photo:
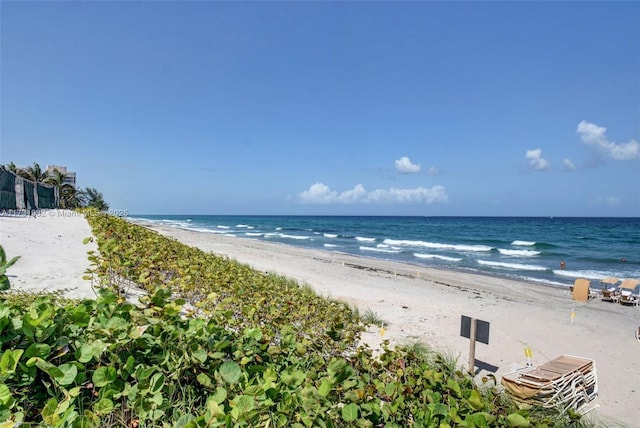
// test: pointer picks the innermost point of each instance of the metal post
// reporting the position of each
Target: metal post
(472, 346)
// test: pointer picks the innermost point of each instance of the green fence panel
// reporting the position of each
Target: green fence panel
(7, 191)
(29, 198)
(46, 197)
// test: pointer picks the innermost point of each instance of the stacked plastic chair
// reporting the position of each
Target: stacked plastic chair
(565, 382)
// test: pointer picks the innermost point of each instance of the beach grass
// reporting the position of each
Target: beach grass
(370, 317)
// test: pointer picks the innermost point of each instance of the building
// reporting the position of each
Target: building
(70, 175)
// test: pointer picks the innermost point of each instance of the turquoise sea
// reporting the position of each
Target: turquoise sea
(525, 248)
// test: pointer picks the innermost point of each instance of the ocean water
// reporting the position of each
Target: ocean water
(524, 248)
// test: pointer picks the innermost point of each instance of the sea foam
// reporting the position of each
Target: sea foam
(283, 235)
(437, 245)
(525, 253)
(523, 243)
(379, 250)
(587, 274)
(516, 266)
(437, 256)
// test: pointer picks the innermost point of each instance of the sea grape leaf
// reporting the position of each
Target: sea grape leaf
(204, 380)
(475, 400)
(517, 420)
(116, 323)
(49, 414)
(214, 408)
(220, 395)
(104, 376)
(145, 372)
(230, 372)
(6, 399)
(41, 350)
(292, 377)
(253, 333)
(325, 388)
(454, 386)
(85, 353)
(103, 406)
(350, 412)
(242, 405)
(157, 398)
(48, 368)
(157, 383)
(184, 421)
(199, 355)
(69, 372)
(9, 361)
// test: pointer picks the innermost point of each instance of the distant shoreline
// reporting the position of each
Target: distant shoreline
(532, 251)
(371, 260)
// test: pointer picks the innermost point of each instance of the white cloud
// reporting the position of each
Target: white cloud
(433, 171)
(536, 160)
(595, 136)
(320, 193)
(568, 164)
(607, 200)
(405, 166)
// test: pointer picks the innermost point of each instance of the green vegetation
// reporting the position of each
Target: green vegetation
(91, 198)
(371, 318)
(4, 265)
(217, 344)
(69, 196)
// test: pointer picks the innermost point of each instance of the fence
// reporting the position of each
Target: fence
(18, 193)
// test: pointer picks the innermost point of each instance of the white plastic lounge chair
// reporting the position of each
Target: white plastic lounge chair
(566, 382)
(609, 289)
(627, 289)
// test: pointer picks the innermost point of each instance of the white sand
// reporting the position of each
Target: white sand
(52, 255)
(419, 304)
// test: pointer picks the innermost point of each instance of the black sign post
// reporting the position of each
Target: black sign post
(474, 329)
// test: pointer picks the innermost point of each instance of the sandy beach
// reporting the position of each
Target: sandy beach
(52, 255)
(418, 304)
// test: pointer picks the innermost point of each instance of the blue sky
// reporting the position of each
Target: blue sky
(381, 108)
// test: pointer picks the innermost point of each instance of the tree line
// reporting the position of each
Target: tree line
(70, 196)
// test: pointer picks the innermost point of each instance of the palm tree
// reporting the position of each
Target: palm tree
(68, 194)
(12, 168)
(33, 173)
(93, 199)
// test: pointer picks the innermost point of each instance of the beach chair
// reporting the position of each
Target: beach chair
(627, 295)
(565, 382)
(580, 290)
(609, 290)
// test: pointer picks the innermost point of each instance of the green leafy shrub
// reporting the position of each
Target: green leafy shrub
(131, 253)
(4, 265)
